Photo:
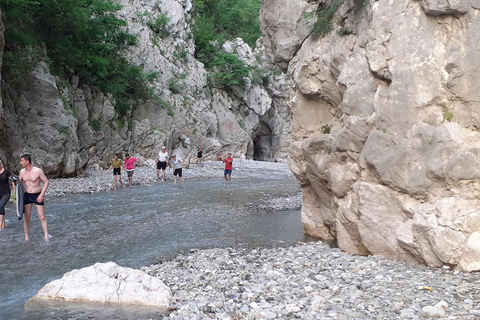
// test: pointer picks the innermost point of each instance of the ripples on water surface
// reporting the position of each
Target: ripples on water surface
(135, 227)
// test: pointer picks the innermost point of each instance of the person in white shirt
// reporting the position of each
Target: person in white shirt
(162, 163)
(177, 169)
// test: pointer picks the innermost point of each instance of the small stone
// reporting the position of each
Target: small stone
(432, 312)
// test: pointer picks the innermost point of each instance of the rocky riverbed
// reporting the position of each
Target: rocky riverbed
(312, 281)
(102, 180)
(307, 280)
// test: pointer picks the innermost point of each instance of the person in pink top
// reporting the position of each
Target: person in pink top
(129, 165)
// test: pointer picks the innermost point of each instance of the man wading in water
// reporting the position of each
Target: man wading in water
(32, 178)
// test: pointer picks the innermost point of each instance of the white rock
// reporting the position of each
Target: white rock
(108, 282)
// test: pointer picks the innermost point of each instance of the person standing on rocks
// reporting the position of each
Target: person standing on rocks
(162, 163)
(129, 165)
(32, 178)
(228, 167)
(199, 155)
(117, 170)
(177, 169)
(5, 191)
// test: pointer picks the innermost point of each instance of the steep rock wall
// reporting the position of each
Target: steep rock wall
(385, 125)
(68, 126)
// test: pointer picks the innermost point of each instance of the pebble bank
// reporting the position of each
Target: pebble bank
(312, 281)
(102, 180)
(304, 281)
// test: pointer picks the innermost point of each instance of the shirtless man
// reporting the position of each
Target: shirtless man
(32, 178)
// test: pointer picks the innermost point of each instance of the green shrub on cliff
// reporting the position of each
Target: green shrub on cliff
(81, 37)
(228, 70)
(216, 21)
(325, 14)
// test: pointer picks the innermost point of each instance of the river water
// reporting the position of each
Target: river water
(136, 227)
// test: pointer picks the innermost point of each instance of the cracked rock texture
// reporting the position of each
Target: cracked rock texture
(68, 126)
(385, 140)
(108, 282)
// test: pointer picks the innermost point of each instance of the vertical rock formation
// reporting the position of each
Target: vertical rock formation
(385, 125)
(67, 125)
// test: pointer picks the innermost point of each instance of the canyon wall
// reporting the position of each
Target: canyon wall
(386, 113)
(68, 126)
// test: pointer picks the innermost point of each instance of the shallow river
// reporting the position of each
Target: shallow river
(135, 227)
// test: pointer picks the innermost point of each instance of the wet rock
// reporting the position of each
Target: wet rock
(108, 282)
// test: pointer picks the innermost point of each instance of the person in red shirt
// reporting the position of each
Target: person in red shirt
(228, 167)
(129, 165)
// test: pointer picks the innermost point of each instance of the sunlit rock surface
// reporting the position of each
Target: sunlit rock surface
(385, 130)
(108, 282)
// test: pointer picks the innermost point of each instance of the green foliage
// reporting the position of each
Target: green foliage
(18, 64)
(161, 103)
(447, 115)
(326, 129)
(344, 32)
(181, 53)
(170, 112)
(227, 19)
(183, 142)
(95, 124)
(229, 70)
(260, 75)
(64, 130)
(160, 25)
(120, 123)
(323, 25)
(217, 21)
(175, 84)
(241, 124)
(82, 37)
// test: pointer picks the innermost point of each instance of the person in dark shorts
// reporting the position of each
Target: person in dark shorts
(32, 178)
(117, 170)
(162, 163)
(199, 155)
(177, 169)
(227, 174)
(5, 191)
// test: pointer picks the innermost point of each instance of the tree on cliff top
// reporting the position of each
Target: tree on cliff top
(81, 37)
(216, 21)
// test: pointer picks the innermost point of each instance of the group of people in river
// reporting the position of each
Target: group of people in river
(32, 178)
(35, 183)
(162, 162)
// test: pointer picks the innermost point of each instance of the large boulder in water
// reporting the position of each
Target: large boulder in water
(108, 282)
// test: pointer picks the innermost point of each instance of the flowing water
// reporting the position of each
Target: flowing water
(136, 227)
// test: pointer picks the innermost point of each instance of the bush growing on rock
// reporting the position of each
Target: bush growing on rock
(82, 37)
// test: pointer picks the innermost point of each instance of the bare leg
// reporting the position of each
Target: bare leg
(229, 178)
(225, 176)
(175, 179)
(181, 179)
(3, 202)
(163, 175)
(130, 181)
(158, 174)
(120, 180)
(26, 220)
(115, 182)
(43, 219)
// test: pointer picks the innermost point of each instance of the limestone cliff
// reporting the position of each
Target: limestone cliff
(68, 126)
(385, 124)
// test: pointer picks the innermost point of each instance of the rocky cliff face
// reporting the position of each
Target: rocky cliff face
(385, 130)
(67, 125)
